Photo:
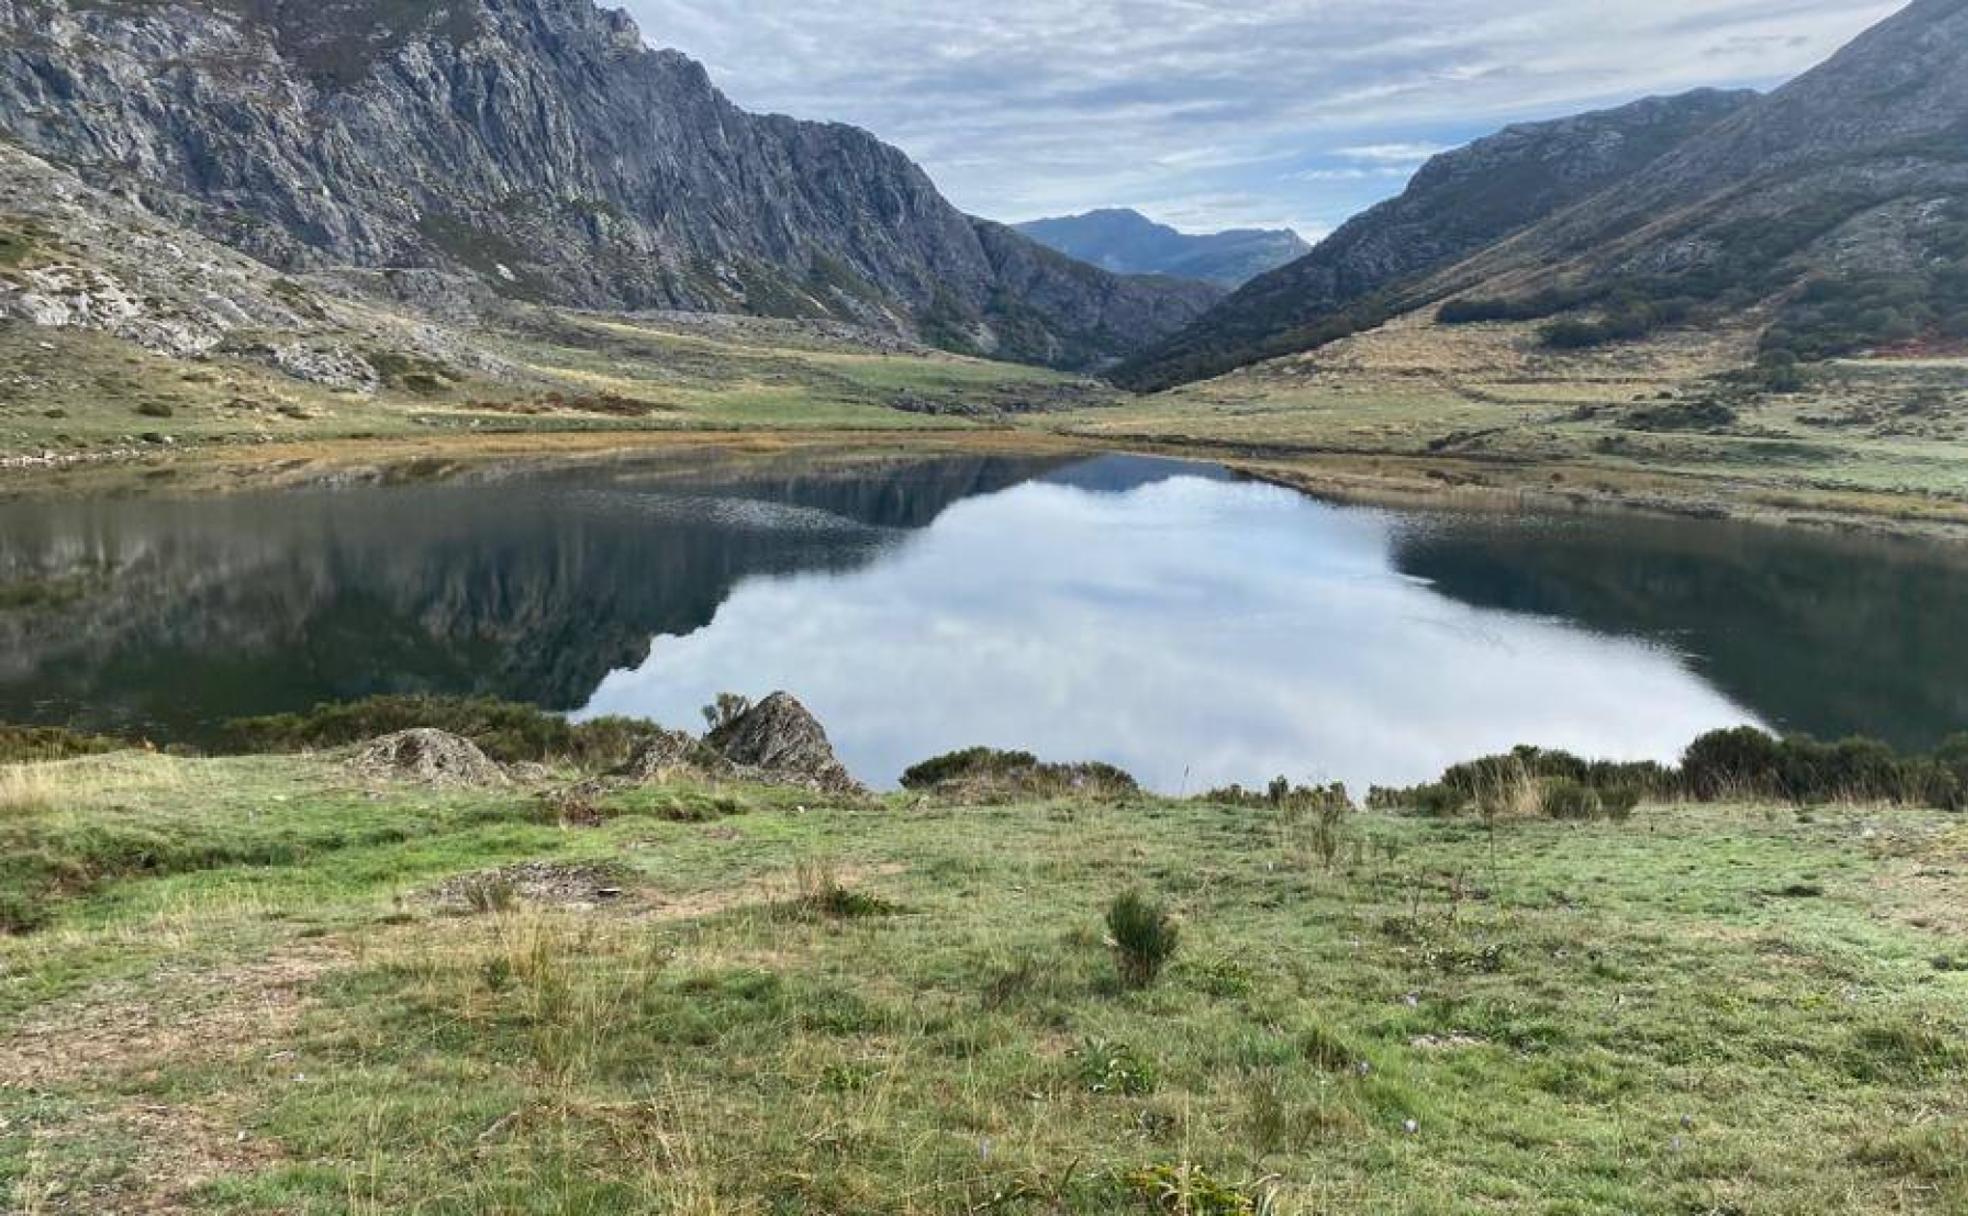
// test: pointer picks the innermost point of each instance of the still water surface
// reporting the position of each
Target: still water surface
(1189, 626)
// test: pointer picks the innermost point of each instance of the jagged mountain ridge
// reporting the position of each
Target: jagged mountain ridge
(1832, 214)
(1458, 203)
(539, 145)
(1125, 241)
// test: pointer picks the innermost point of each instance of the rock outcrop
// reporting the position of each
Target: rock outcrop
(540, 147)
(780, 739)
(672, 753)
(429, 757)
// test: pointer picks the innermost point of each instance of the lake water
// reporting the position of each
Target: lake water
(1186, 625)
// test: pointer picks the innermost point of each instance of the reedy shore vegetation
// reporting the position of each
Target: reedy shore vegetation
(275, 983)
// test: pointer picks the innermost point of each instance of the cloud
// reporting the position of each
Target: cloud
(1029, 107)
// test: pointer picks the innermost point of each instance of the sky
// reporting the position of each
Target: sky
(1210, 114)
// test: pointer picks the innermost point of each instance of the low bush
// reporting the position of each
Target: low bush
(1746, 763)
(1706, 414)
(821, 894)
(983, 772)
(1143, 937)
(506, 731)
(1564, 798)
(36, 744)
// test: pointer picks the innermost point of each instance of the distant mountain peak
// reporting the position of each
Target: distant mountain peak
(1124, 241)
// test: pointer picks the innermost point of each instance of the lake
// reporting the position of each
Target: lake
(1190, 626)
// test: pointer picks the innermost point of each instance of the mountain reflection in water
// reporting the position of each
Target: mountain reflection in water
(1166, 617)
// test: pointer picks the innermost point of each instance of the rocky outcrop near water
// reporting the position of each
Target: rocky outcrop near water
(781, 739)
(540, 148)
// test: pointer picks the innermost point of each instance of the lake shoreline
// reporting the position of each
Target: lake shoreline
(1352, 478)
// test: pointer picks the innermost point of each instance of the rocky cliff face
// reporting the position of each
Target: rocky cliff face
(1459, 203)
(538, 145)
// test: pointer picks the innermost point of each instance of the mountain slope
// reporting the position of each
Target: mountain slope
(540, 146)
(1128, 242)
(1838, 203)
(1456, 205)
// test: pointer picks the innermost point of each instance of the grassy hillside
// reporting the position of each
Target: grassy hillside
(268, 985)
(83, 396)
(1416, 407)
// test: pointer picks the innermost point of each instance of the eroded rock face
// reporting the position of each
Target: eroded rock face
(429, 757)
(538, 147)
(782, 740)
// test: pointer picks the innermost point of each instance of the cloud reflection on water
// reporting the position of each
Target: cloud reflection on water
(1190, 630)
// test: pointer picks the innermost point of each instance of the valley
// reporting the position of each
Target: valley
(1462, 715)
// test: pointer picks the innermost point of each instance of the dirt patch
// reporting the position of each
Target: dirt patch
(170, 1017)
(172, 1151)
(541, 883)
(1923, 882)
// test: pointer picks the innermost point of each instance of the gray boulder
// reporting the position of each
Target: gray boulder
(782, 742)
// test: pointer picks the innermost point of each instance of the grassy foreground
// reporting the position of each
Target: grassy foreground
(247, 997)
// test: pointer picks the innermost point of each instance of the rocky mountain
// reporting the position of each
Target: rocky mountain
(1128, 242)
(1838, 205)
(1832, 213)
(1459, 203)
(540, 147)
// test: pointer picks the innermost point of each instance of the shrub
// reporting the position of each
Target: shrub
(1564, 798)
(508, 732)
(1619, 801)
(1739, 762)
(725, 711)
(989, 773)
(821, 893)
(37, 744)
(155, 409)
(1143, 937)
(1706, 414)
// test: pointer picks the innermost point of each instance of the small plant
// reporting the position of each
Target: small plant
(489, 893)
(1329, 831)
(725, 711)
(1107, 1067)
(1326, 1051)
(1143, 937)
(822, 894)
(1221, 977)
(1186, 1189)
